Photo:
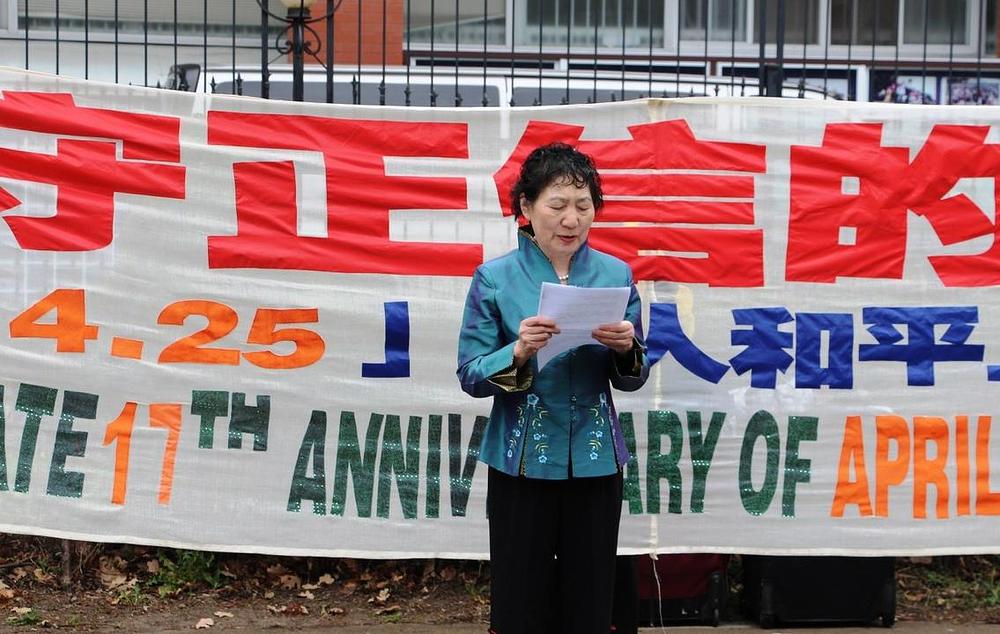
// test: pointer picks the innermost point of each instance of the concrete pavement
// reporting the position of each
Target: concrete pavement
(902, 627)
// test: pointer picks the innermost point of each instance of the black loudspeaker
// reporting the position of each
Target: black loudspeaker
(819, 589)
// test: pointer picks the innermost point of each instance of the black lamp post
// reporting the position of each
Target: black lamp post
(298, 18)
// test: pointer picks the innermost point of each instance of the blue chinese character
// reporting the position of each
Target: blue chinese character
(809, 373)
(666, 335)
(765, 344)
(397, 344)
(921, 351)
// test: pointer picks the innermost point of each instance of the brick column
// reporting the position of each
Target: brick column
(345, 32)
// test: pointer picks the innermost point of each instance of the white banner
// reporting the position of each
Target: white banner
(231, 324)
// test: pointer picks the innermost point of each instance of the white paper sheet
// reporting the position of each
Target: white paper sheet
(577, 312)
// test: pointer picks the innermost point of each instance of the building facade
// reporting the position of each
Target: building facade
(942, 51)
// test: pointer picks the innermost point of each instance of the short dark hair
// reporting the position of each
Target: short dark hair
(549, 163)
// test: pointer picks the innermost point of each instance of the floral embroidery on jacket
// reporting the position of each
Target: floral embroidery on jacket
(530, 415)
(601, 420)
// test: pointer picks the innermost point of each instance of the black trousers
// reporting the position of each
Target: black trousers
(552, 553)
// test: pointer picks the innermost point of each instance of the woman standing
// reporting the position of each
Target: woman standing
(553, 443)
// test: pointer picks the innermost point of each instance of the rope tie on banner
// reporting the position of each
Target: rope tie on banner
(659, 591)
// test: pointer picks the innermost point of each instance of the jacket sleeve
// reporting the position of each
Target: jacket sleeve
(630, 371)
(485, 362)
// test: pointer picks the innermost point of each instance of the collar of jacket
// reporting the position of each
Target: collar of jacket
(539, 262)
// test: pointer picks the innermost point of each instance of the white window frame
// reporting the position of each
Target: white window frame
(669, 17)
(746, 45)
(969, 25)
(8, 16)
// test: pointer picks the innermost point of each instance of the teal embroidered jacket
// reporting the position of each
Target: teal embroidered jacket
(560, 422)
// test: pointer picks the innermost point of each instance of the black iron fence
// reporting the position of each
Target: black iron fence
(521, 52)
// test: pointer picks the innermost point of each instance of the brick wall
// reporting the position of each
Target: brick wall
(345, 34)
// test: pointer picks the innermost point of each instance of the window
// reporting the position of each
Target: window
(854, 22)
(158, 18)
(726, 19)
(473, 19)
(801, 21)
(657, 23)
(943, 22)
(582, 20)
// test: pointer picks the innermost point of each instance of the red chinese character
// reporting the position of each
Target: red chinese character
(853, 183)
(359, 195)
(885, 186)
(655, 197)
(953, 152)
(87, 173)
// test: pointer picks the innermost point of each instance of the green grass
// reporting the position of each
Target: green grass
(132, 595)
(395, 617)
(31, 617)
(963, 583)
(188, 569)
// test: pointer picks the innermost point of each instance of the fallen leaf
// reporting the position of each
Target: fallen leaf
(20, 611)
(223, 615)
(112, 581)
(310, 586)
(204, 624)
(296, 608)
(5, 592)
(290, 582)
(326, 580)
(348, 587)
(334, 610)
(269, 594)
(41, 576)
(275, 609)
(307, 595)
(111, 572)
(153, 566)
(381, 597)
(388, 610)
(19, 573)
(448, 573)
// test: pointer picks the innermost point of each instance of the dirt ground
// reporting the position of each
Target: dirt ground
(140, 589)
